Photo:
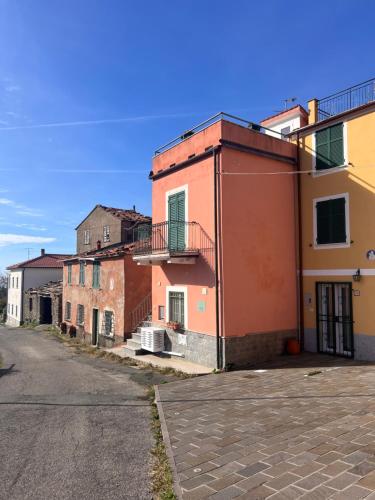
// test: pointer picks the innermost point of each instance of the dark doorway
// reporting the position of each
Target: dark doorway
(95, 326)
(45, 311)
(335, 318)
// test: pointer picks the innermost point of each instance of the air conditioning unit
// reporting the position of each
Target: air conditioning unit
(152, 339)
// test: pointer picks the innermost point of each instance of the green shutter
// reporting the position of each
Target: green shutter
(69, 274)
(96, 275)
(329, 147)
(330, 220)
(81, 273)
(176, 220)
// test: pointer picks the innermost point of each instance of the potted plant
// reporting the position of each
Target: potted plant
(174, 325)
(72, 331)
(63, 327)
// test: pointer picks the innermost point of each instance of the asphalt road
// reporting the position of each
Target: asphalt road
(71, 426)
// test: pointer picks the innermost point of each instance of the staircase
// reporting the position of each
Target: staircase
(133, 345)
(141, 316)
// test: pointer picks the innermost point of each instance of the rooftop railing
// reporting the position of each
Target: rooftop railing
(207, 123)
(347, 99)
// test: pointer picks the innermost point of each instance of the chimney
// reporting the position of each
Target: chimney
(98, 245)
(42, 252)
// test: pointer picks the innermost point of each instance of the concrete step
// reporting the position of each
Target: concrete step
(136, 336)
(131, 343)
(131, 351)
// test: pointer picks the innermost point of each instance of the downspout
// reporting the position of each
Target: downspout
(301, 322)
(217, 296)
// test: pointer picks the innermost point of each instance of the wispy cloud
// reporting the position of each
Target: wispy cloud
(79, 123)
(21, 209)
(30, 227)
(12, 88)
(7, 239)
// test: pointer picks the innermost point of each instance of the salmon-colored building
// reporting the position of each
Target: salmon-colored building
(102, 290)
(222, 245)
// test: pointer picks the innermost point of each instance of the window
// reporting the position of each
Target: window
(96, 275)
(82, 273)
(108, 324)
(16, 309)
(80, 314)
(17, 282)
(285, 130)
(68, 310)
(331, 221)
(86, 237)
(161, 313)
(12, 308)
(30, 304)
(177, 307)
(69, 274)
(106, 233)
(12, 281)
(329, 146)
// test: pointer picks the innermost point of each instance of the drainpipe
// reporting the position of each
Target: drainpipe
(301, 322)
(219, 356)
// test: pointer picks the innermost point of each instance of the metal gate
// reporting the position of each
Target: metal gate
(335, 318)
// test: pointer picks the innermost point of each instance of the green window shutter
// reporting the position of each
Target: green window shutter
(81, 273)
(330, 220)
(176, 219)
(96, 275)
(329, 147)
(69, 274)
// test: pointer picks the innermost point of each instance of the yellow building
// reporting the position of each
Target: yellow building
(337, 223)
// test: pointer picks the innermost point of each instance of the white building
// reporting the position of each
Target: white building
(286, 121)
(30, 274)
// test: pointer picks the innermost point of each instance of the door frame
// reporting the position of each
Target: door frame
(95, 322)
(317, 310)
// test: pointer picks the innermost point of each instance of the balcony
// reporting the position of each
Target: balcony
(171, 242)
(345, 100)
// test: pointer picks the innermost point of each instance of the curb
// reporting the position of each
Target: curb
(167, 443)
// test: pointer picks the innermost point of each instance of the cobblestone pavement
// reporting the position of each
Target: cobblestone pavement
(304, 429)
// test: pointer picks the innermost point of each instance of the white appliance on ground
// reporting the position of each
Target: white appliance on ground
(152, 338)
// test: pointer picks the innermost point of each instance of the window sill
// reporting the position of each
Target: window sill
(331, 246)
(333, 170)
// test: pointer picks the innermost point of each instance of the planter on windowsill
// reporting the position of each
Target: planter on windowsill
(174, 325)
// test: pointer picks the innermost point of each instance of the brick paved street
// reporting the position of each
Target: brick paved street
(281, 434)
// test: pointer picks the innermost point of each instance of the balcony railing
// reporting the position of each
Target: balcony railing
(256, 127)
(170, 237)
(347, 99)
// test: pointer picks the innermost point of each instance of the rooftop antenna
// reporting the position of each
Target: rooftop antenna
(288, 101)
(29, 250)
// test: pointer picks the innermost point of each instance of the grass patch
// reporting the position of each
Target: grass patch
(82, 348)
(162, 479)
(314, 372)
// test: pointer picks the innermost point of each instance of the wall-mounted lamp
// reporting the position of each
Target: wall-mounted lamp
(357, 276)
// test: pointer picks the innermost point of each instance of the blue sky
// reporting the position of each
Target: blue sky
(90, 88)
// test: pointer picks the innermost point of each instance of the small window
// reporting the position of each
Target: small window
(16, 310)
(82, 273)
(331, 221)
(285, 130)
(108, 324)
(68, 310)
(12, 281)
(30, 304)
(69, 274)
(12, 308)
(80, 314)
(17, 282)
(176, 307)
(106, 237)
(161, 314)
(329, 144)
(96, 275)
(86, 237)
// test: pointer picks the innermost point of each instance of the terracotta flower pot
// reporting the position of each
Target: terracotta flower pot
(293, 347)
